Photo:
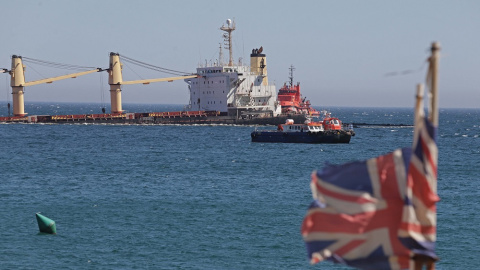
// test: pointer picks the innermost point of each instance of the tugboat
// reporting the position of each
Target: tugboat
(292, 101)
(330, 130)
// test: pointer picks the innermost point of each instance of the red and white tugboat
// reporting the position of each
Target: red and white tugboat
(330, 130)
(291, 99)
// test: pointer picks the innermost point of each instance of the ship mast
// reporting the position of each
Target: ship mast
(228, 38)
(292, 68)
(220, 56)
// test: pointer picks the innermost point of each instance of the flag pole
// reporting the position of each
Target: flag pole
(419, 96)
(418, 259)
(434, 59)
(421, 260)
(418, 113)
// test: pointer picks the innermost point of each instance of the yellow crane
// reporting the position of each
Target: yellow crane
(17, 82)
(115, 80)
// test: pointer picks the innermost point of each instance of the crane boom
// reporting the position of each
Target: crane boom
(115, 80)
(159, 80)
(50, 80)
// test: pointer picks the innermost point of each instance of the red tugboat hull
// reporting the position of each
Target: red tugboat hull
(328, 131)
(329, 136)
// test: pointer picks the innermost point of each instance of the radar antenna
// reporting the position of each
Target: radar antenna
(228, 38)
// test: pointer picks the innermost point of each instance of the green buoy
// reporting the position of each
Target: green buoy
(45, 224)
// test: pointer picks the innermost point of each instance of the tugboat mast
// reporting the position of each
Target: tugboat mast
(292, 68)
(228, 38)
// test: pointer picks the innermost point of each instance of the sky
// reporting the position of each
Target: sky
(345, 53)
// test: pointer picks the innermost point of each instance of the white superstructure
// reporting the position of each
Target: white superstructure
(238, 90)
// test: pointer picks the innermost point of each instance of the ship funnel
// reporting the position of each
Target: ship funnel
(258, 64)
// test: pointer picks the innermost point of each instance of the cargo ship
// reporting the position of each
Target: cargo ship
(220, 93)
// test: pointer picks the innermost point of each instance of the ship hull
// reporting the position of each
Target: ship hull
(227, 120)
(333, 136)
(160, 118)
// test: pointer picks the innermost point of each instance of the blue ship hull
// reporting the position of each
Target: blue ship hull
(332, 136)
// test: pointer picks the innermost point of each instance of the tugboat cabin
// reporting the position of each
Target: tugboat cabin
(289, 126)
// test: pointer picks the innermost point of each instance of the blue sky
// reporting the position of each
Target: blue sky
(342, 50)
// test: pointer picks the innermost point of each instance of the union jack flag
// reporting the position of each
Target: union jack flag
(377, 213)
(418, 228)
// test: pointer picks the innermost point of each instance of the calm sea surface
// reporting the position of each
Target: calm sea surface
(201, 197)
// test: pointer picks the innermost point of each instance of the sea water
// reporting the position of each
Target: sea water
(202, 197)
